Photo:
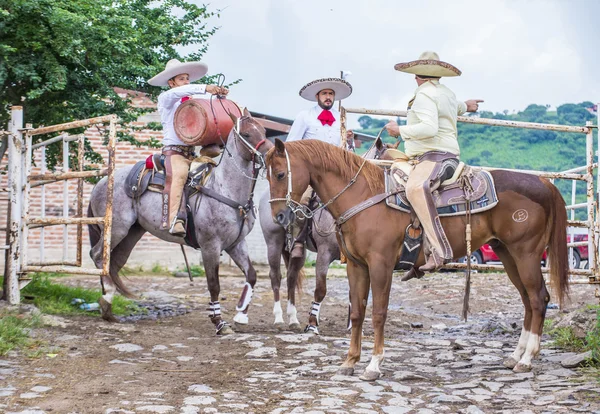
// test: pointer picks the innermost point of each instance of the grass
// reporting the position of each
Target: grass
(333, 265)
(14, 331)
(565, 338)
(195, 270)
(55, 298)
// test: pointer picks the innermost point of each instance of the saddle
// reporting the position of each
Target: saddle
(150, 175)
(467, 184)
(467, 189)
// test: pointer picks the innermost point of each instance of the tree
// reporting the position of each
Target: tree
(62, 59)
(365, 121)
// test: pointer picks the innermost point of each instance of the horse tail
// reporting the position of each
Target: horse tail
(557, 246)
(300, 281)
(296, 278)
(93, 229)
(95, 233)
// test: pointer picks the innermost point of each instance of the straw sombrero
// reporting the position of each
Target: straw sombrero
(196, 70)
(341, 88)
(428, 64)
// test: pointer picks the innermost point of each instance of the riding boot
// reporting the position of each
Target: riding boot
(434, 262)
(178, 227)
(298, 248)
(423, 179)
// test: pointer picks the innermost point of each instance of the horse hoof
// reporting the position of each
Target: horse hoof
(280, 325)
(311, 329)
(520, 368)
(241, 318)
(370, 375)
(347, 371)
(106, 311)
(225, 330)
(294, 326)
(510, 363)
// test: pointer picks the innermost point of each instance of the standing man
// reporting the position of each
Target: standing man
(431, 140)
(321, 122)
(178, 156)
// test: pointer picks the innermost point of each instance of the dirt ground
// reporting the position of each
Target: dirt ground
(178, 364)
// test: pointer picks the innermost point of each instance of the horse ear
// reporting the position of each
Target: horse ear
(233, 118)
(379, 143)
(279, 147)
(247, 113)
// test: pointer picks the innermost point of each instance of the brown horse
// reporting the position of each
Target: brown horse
(374, 236)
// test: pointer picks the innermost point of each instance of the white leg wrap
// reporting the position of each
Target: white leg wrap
(245, 298)
(521, 346)
(278, 312)
(315, 310)
(241, 318)
(292, 314)
(214, 309)
(376, 361)
(533, 348)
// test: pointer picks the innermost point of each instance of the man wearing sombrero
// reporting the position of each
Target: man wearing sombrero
(321, 122)
(178, 156)
(431, 140)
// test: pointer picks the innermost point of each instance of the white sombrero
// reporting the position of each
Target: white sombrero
(341, 88)
(195, 70)
(428, 64)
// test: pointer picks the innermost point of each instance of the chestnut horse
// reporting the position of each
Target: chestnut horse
(373, 237)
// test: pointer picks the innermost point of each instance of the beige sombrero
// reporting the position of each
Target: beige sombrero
(428, 64)
(196, 70)
(341, 88)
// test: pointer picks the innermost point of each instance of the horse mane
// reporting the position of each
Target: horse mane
(338, 160)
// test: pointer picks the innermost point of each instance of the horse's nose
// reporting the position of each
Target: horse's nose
(281, 219)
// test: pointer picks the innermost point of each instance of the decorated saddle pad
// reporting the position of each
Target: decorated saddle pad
(469, 183)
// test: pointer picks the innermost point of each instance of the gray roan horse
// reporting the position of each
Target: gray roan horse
(321, 240)
(219, 226)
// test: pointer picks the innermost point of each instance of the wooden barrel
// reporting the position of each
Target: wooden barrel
(197, 123)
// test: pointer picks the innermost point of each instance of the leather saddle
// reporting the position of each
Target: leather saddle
(467, 184)
(149, 175)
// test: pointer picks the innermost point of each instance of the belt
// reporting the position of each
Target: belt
(186, 150)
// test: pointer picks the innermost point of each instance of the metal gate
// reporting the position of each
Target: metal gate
(20, 180)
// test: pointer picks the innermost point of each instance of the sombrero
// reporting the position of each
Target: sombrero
(428, 64)
(341, 88)
(195, 70)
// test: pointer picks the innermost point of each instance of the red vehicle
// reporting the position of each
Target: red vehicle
(485, 254)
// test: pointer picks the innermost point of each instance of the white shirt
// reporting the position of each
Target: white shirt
(168, 102)
(307, 126)
(431, 120)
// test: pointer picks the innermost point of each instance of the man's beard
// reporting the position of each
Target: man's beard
(326, 106)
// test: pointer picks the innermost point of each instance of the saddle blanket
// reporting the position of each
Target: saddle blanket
(450, 199)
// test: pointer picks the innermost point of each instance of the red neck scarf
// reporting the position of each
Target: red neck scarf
(326, 117)
(185, 98)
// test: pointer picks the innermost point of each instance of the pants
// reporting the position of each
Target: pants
(432, 168)
(177, 165)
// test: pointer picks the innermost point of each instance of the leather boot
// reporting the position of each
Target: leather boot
(178, 228)
(434, 262)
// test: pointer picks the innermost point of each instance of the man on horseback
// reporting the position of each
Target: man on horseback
(321, 122)
(431, 141)
(177, 155)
